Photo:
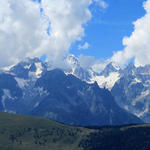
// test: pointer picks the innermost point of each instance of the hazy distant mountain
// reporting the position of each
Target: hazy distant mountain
(59, 96)
(111, 67)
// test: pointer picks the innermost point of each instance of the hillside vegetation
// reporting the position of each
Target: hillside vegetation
(18, 132)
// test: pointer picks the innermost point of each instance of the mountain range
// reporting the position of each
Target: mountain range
(130, 86)
(71, 96)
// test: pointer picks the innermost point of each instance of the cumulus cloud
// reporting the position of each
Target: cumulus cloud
(84, 46)
(137, 46)
(86, 61)
(24, 25)
(97, 65)
(20, 30)
(66, 20)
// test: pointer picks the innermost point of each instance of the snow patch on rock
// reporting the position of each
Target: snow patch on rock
(21, 82)
(106, 82)
(6, 95)
(39, 69)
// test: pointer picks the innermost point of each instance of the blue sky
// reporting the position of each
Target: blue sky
(105, 31)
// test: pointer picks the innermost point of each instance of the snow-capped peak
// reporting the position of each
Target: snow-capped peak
(72, 60)
(28, 68)
(39, 69)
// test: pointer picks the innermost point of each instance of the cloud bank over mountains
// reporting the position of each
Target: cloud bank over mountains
(137, 46)
(29, 28)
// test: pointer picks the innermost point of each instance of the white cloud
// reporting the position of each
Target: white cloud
(84, 46)
(138, 44)
(20, 30)
(23, 28)
(100, 64)
(101, 3)
(86, 61)
(66, 18)
(97, 65)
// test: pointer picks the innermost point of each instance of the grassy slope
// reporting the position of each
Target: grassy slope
(18, 132)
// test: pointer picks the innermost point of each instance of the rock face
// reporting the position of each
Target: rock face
(10, 93)
(71, 100)
(28, 88)
(132, 91)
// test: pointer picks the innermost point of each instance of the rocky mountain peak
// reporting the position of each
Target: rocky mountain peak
(111, 67)
(72, 61)
(29, 66)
